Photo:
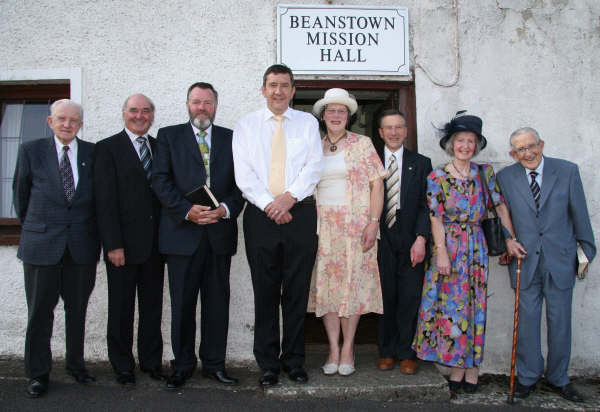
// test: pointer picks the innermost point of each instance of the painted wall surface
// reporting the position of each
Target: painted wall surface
(521, 62)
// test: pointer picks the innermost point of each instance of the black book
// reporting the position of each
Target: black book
(203, 196)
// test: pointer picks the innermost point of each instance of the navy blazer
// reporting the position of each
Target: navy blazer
(413, 217)
(551, 234)
(49, 223)
(177, 169)
(128, 209)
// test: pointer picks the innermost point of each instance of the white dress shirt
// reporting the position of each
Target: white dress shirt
(539, 170)
(71, 154)
(252, 141)
(137, 145)
(387, 153)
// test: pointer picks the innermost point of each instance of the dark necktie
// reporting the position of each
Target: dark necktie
(145, 156)
(535, 189)
(66, 174)
(392, 187)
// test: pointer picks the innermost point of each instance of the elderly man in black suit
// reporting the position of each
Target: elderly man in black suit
(198, 241)
(53, 195)
(404, 232)
(128, 217)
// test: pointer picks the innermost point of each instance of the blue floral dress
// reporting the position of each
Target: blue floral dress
(451, 322)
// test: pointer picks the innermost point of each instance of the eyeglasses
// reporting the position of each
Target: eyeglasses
(531, 148)
(336, 111)
(392, 128)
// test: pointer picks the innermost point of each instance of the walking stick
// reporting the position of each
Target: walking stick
(511, 396)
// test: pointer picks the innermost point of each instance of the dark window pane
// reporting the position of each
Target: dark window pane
(34, 121)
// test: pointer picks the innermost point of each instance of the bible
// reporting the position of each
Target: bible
(203, 196)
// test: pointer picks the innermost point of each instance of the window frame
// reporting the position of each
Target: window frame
(10, 228)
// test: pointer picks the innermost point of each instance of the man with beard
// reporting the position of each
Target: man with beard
(198, 242)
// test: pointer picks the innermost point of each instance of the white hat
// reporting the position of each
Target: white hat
(336, 96)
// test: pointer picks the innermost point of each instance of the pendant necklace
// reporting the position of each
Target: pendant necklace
(332, 145)
(464, 176)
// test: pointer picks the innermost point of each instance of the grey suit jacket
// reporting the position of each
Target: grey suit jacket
(49, 223)
(551, 234)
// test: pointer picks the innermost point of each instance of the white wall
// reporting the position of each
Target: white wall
(523, 62)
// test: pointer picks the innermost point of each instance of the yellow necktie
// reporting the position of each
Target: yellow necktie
(277, 170)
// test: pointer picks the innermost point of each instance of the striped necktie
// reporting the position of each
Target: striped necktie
(535, 189)
(205, 151)
(145, 157)
(392, 191)
(66, 174)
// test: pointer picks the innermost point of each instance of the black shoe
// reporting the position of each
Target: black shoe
(37, 387)
(125, 378)
(470, 387)
(82, 376)
(155, 374)
(269, 378)
(177, 379)
(523, 391)
(220, 376)
(454, 386)
(298, 375)
(569, 393)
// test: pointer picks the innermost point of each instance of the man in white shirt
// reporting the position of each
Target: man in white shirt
(277, 156)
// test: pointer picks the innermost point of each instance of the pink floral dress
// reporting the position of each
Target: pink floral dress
(345, 280)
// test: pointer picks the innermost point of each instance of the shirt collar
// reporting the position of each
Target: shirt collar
(133, 137)
(268, 114)
(59, 145)
(398, 153)
(208, 130)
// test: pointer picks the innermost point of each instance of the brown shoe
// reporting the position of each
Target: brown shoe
(408, 366)
(385, 364)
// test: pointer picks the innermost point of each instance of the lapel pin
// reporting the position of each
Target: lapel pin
(82, 163)
(409, 167)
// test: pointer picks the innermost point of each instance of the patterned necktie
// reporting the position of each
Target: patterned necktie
(145, 157)
(205, 153)
(277, 169)
(66, 174)
(535, 189)
(392, 190)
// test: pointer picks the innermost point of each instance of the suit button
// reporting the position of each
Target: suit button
(537, 253)
(540, 233)
(150, 217)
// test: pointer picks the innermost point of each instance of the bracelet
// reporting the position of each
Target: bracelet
(374, 219)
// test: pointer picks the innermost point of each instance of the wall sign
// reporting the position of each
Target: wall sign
(343, 39)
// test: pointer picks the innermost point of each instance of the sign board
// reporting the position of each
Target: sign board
(361, 40)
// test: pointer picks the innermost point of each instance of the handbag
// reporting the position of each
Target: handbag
(492, 226)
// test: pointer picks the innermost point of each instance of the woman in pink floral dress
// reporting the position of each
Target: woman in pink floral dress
(345, 282)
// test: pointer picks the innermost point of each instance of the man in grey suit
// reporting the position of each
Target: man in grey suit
(54, 200)
(549, 213)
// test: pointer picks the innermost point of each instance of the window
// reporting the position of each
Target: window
(23, 112)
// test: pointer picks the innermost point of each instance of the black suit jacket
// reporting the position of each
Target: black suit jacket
(178, 169)
(49, 223)
(128, 210)
(413, 217)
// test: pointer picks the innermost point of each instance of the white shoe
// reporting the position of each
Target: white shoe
(330, 368)
(346, 369)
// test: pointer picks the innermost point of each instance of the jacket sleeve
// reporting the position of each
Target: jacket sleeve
(22, 184)
(579, 214)
(107, 198)
(163, 181)
(423, 225)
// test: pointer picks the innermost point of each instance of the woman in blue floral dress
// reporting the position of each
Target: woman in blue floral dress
(451, 324)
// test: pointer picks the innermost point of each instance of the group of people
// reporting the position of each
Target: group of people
(332, 225)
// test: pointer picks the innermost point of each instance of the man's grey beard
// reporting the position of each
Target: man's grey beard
(201, 124)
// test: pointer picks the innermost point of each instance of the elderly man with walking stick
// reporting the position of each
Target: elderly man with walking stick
(546, 199)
